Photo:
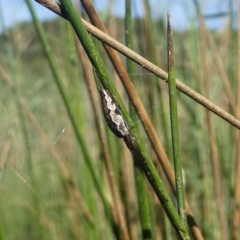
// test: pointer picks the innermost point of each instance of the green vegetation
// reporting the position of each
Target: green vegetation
(65, 175)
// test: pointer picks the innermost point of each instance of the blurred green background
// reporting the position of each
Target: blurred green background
(46, 188)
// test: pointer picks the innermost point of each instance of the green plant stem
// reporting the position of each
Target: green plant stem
(63, 94)
(174, 127)
(137, 147)
(141, 187)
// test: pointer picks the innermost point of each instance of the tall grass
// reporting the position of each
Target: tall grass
(64, 175)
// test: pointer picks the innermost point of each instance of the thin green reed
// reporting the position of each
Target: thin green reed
(174, 127)
(142, 195)
(58, 81)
